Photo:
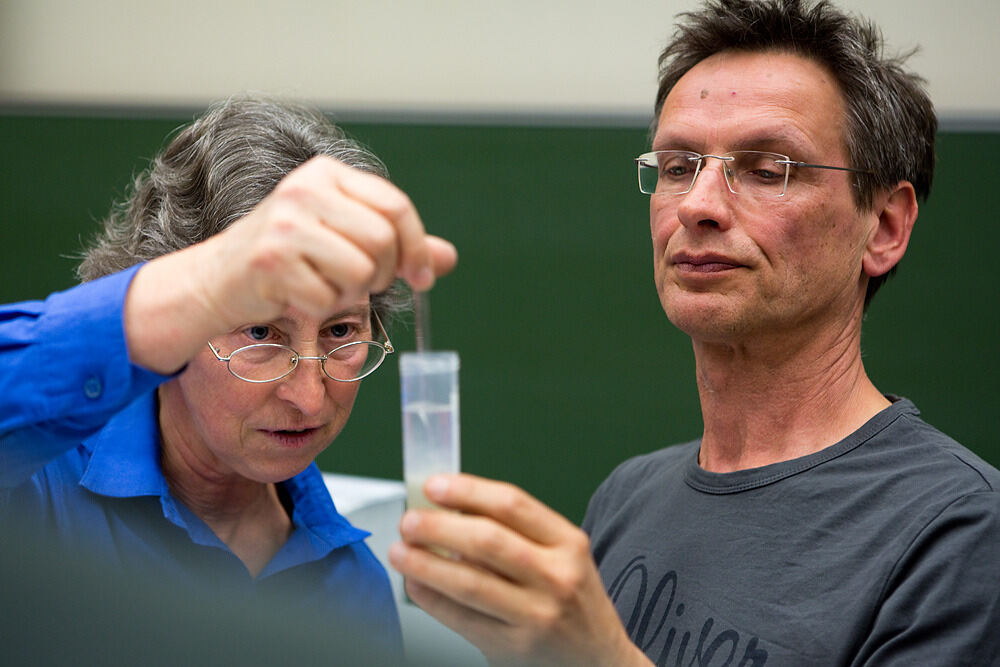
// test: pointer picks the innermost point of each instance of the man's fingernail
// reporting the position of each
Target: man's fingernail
(409, 522)
(436, 486)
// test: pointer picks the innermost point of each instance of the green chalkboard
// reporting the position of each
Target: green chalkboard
(568, 363)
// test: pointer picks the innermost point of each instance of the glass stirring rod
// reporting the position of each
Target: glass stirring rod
(422, 316)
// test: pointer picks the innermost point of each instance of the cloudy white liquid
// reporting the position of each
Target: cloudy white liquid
(430, 445)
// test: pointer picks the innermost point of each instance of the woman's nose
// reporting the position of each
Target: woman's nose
(305, 387)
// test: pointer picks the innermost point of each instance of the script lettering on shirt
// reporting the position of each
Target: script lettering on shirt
(665, 613)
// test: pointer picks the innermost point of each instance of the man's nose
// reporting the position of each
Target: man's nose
(708, 202)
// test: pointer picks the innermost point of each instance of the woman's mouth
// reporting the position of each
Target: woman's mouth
(293, 438)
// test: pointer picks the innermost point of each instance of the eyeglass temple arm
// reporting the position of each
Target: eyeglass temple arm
(388, 343)
(793, 163)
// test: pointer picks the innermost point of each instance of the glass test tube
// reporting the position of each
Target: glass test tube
(431, 436)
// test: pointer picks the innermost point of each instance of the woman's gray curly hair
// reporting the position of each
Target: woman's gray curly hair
(215, 171)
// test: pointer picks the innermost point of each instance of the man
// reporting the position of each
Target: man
(817, 521)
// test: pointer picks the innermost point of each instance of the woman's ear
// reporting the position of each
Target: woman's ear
(897, 211)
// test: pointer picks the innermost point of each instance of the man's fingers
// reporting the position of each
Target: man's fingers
(462, 582)
(502, 502)
(478, 540)
(491, 636)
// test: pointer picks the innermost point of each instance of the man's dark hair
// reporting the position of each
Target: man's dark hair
(890, 124)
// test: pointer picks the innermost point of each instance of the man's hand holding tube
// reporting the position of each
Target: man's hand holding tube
(520, 583)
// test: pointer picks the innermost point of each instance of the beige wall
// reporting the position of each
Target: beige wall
(396, 56)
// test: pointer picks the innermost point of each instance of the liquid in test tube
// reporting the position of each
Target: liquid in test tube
(431, 436)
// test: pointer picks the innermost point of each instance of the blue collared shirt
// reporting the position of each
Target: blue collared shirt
(106, 492)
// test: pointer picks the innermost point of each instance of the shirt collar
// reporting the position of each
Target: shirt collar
(316, 512)
(125, 462)
(125, 454)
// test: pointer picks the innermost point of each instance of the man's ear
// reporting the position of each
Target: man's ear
(897, 211)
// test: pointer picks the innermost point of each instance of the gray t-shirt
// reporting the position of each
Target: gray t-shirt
(881, 549)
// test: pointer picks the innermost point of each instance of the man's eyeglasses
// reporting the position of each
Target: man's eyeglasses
(754, 173)
(267, 362)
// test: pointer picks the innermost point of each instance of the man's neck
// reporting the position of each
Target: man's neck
(777, 401)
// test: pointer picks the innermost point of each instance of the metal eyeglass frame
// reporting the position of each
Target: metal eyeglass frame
(645, 158)
(386, 347)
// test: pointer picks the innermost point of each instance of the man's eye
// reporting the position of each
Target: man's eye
(767, 174)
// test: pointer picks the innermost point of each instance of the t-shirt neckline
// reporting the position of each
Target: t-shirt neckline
(743, 480)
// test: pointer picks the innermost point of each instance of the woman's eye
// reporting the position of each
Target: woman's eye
(258, 332)
(340, 330)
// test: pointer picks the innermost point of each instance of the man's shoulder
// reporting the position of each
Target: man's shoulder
(925, 451)
(632, 482)
(657, 461)
(652, 468)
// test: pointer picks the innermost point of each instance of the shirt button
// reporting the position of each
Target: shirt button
(92, 387)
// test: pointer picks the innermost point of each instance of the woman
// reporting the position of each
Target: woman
(166, 413)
